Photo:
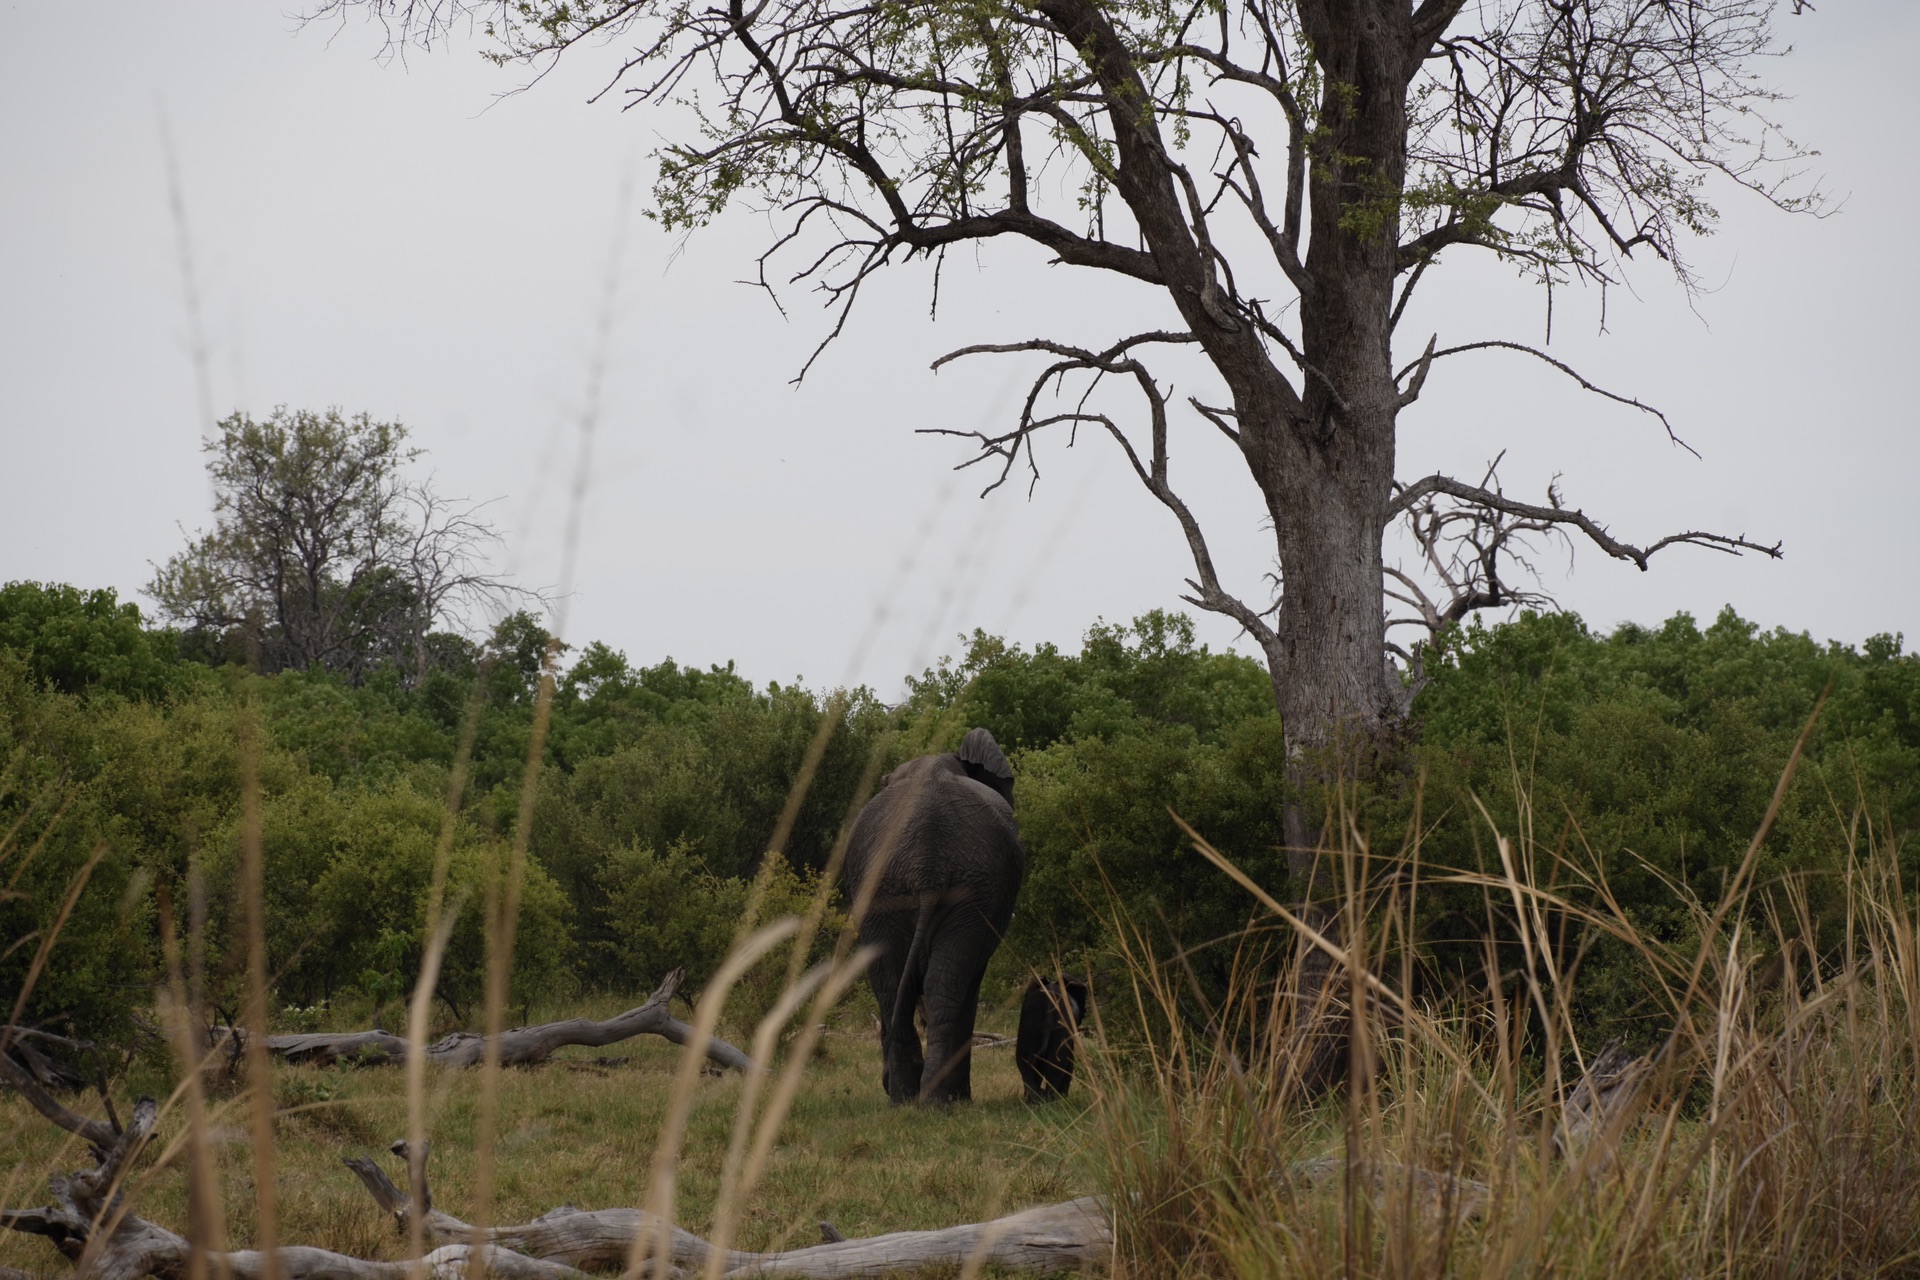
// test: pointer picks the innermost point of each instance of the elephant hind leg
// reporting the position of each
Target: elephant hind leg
(953, 1001)
(900, 1056)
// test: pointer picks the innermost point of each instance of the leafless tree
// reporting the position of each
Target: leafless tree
(1281, 175)
(325, 553)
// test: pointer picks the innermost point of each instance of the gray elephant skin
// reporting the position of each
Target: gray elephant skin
(1050, 1012)
(940, 842)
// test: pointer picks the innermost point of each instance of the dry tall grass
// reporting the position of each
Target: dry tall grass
(1776, 1131)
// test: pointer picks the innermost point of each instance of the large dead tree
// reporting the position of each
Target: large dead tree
(1280, 175)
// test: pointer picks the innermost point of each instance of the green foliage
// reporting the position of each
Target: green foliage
(1649, 757)
(1645, 757)
(348, 874)
(52, 826)
(1107, 745)
(86, 641)
(665, 911)
(1149, 672)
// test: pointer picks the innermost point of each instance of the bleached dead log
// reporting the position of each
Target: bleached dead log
(1598, 1105)
(19, 1043)
(597, 1238)
(1055, 1237)
(519, 1047)
(1390, 1182)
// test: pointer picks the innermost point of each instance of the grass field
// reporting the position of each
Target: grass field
(581, 1133)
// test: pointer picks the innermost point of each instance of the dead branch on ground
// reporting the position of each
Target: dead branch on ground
(519, 1047)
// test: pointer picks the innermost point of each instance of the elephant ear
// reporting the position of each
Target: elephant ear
(985, 763)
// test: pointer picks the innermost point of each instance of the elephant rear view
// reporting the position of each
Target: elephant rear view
(942, 852)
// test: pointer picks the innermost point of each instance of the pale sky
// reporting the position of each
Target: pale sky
(397, 239)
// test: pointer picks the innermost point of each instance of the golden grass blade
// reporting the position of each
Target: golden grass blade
(439, 931)
(1338, 954)
(419, 1010)
(206, 1216)
(1736, 890)
(503, 921)
(842, 973)
(673, 1131)
(48, 937)
(728, 1204)
(26, 859)
(259, 1064)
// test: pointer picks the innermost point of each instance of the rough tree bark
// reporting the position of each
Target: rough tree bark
(519, 1047)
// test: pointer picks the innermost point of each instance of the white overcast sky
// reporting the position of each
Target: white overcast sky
(395, 239)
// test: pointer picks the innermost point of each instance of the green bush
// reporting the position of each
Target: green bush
(1647, 759)
(665, 911)
(1644, 756)
(58, 835)
(83, 641)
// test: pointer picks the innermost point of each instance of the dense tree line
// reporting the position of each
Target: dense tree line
(1645, 756)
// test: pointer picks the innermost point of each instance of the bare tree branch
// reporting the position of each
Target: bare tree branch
(1557, 515)
(1419, 369)
(1152, 472)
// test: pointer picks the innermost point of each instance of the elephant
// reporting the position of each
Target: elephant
(1049, 1014)
(940, 846)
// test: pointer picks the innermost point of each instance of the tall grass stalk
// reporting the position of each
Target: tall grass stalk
(253, 907)
(666, 1154)
(503, 919)
(1775, 1131)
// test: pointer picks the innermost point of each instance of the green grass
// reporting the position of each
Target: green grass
(579, 1133)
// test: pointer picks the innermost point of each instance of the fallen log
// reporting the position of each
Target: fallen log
(519, 1047)
(1055, 1237)
(93, 1227)
(17, 1043)
(1600, 1106)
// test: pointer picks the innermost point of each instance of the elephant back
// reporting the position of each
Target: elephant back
(949, 834)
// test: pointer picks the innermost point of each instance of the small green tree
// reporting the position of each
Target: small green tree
(323, 554)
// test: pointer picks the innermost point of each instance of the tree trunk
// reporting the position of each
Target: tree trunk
(1326, 467)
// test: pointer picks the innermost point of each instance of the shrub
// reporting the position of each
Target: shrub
(82, 641)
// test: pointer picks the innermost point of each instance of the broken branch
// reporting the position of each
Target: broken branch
(519, 1047)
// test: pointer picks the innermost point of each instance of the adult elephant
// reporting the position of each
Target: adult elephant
(942, 852)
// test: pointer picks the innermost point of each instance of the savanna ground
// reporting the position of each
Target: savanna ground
(578, 1132)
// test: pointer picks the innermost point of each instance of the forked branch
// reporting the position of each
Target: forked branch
(1557, 515)
(1152, 471)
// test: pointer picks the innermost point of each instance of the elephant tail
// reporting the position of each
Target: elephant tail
(913, 974)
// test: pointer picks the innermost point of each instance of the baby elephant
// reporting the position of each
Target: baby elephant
(1049, 1012)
